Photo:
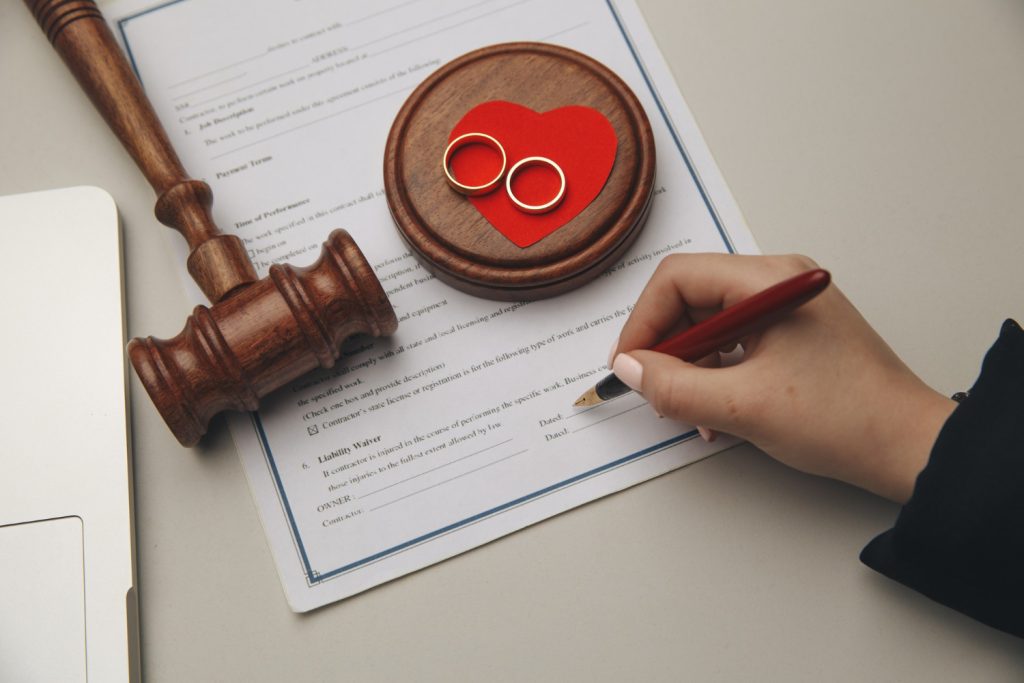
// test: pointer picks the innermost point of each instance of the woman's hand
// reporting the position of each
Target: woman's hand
(819, 391)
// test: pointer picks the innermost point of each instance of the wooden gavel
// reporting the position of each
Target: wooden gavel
(260, 333)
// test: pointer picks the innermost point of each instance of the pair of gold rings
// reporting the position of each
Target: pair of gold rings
(492, 184)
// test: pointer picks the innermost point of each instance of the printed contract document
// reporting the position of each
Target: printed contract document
(459, 428)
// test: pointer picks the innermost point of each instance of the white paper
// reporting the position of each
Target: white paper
(459, 428)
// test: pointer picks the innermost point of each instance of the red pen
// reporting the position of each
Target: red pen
(753, 314)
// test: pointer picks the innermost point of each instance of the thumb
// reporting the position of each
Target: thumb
(680, 390)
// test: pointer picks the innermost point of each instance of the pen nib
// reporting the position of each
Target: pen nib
(589, 398)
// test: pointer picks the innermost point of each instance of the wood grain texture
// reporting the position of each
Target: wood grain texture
(260, 333)
(229, 356)
(451, 238)
(217, 262)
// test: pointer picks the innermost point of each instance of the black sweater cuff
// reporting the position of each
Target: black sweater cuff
(960, 538)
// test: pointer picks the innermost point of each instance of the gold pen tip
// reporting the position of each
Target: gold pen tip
(589, 398)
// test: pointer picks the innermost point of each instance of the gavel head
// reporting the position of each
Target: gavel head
(264, 336)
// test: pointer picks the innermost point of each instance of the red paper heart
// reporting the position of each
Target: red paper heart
(579, 139)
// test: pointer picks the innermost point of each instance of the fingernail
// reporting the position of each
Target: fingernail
(629, 370)
(611, 351)
(706, 434)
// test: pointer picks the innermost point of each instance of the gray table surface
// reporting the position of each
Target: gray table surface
(883, 139)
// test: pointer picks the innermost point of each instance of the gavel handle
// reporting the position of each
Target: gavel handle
(77, 30)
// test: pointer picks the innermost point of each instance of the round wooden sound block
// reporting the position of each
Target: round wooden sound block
(444, 229)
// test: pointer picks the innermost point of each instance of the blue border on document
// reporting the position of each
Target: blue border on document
(124, 37)
(314, 577)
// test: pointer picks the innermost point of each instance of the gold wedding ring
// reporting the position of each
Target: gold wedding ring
(535, 208)
(472, 139)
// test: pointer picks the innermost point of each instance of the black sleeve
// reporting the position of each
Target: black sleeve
(960, 538)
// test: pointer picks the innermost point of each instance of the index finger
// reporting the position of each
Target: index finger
(687, 282)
